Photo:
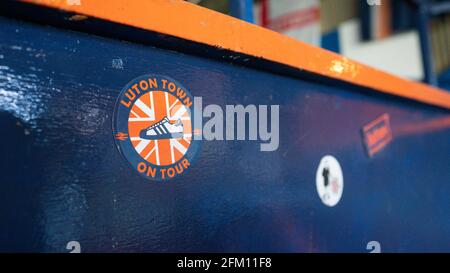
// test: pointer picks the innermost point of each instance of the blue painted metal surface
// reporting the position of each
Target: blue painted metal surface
(62, 178)
(444, 79)
(330, 41)
(242, 9)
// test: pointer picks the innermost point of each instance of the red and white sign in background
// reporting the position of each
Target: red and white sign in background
(294, 18)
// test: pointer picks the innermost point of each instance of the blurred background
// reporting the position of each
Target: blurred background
(408, 38)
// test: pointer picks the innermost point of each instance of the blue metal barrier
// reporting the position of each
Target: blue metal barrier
(64, 181)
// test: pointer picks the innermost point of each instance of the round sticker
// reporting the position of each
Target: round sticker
(329, 181)
(153, 126)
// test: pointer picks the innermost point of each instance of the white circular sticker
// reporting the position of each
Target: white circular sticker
(329, 181)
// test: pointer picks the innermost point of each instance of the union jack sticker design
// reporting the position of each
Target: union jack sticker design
(153, 127)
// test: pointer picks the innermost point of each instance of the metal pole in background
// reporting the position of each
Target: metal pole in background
(242, 9)
(423, 17)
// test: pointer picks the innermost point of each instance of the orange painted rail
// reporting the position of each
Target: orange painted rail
(191, 22)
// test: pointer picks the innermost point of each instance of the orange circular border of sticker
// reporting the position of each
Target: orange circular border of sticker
(153, 127)
(329, 181)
